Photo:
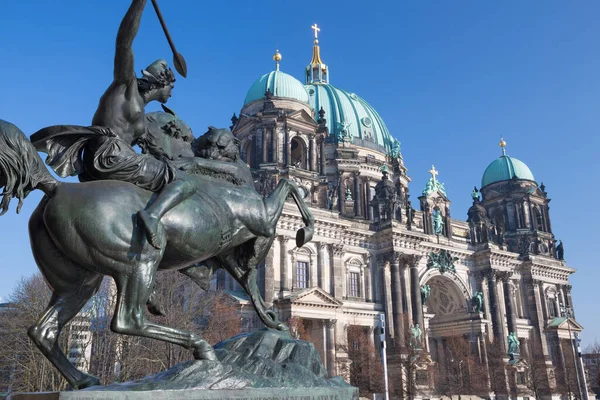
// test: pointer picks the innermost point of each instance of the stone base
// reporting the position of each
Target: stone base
(311, 393)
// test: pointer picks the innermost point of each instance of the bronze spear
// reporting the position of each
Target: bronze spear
(178, 60)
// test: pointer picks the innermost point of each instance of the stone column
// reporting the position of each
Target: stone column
(362, 283)
(439, 346)
(313, 153)
(265, 144)
(273, 148)
(337, 250)
(495, 308)
(292, 270)
(341, 194)
(322, 155)
(321, 264)
(385, 293)
(330, 323)
(568, 299)
(537, 316)
(357, 199)
(511, 317)
(547, 216)
(368, 280)
(415, 292)
(394, 260)
(288, 147)
(283, 264)
(313, 271)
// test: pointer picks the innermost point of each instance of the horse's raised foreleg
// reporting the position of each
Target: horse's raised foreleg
(274, 205)
(133, 292)
(304, 235)
(244, 272)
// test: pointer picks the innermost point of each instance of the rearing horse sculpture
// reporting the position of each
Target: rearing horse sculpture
(81, 232)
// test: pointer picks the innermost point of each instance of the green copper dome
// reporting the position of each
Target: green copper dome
(504, 169)
(348, 112)
(280, 84)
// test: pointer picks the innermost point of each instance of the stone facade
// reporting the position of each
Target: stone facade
(371, 249)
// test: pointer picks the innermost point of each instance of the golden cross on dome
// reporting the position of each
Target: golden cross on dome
(316, 29)
(433, 172)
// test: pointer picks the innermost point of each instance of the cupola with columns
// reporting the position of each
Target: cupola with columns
(517, 207)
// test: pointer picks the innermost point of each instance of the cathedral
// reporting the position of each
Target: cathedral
(382, 251)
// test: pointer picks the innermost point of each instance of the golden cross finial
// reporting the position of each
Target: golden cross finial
(316, 29)
(433, 172)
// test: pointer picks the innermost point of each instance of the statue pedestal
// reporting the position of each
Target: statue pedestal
(309, 393)
(265, 364)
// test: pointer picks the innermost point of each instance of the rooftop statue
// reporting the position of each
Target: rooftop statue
(438, 223)
(207, 214)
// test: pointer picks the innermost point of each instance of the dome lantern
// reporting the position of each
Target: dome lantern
(316, 71)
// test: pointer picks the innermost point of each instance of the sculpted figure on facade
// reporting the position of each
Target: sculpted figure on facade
(438, 223)
(478, 302)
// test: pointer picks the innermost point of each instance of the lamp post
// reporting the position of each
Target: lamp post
(582, 368)
(568, 313)
(383, 353)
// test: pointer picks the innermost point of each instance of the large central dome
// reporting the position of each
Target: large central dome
(349, 112)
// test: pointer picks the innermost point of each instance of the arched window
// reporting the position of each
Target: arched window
(354, 279)
(539, 219)
(247, 153)
(552, 301)
(298, 154)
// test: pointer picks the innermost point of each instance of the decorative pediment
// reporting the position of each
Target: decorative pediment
(562, 324)
(316, 297)
(302, 116)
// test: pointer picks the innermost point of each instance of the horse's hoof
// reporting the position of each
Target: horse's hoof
(204, 351)
(282, 327)
(155, 309)
(303, 236)
(87, 382)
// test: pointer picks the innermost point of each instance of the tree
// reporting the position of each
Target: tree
(592, 353)
(366, 369)
(496, 355)
(28, 368)
(112, 357)
(298, 328)
(465, 372)
(534, 375)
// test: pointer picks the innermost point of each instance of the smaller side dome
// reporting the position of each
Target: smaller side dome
(280, 84)
(506, 168)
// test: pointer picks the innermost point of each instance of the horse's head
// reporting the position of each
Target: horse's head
(217, 144)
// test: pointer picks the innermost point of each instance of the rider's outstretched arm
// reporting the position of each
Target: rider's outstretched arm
(124, 69)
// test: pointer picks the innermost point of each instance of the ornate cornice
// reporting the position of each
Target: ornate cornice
(337, 250)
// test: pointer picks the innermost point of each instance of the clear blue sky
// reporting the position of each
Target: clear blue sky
(448, 78)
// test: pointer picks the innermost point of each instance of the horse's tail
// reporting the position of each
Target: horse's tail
(22, 170)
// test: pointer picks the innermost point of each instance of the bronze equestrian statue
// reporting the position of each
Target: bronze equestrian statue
(81, 232)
